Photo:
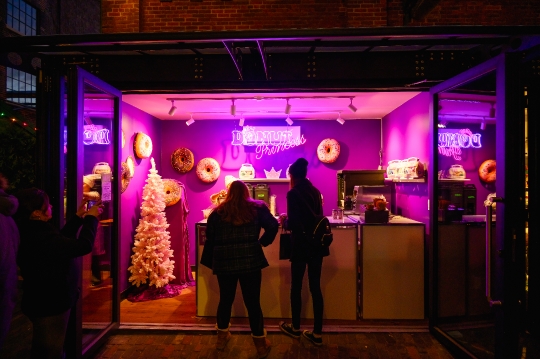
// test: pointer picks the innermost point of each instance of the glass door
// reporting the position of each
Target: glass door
(92, 164)
(479, 216)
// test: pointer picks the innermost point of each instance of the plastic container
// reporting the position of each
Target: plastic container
(456, 172)
(246, 171)
(415, 168)
(391, 170)
(101, 167)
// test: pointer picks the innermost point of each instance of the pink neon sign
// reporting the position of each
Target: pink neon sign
(452, 141)
(95, 134)
(268, 139)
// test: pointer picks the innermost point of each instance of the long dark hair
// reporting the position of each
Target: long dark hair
(29, 200)
(238, 208)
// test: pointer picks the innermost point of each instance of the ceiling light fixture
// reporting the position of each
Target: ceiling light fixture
(492, 111)
(483, 124)
(352, 107)
(340, 120)
(233, 108)
(191, 121)
(289, 121)
(173, 108)
(288, 108)
(241, 122)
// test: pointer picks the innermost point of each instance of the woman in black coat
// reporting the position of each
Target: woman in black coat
(304, 203)
(233, 251)
(50, 273)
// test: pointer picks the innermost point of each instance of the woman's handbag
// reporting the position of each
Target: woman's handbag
(285, 244)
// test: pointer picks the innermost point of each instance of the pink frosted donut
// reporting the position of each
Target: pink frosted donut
(328, 150)
(208, 170)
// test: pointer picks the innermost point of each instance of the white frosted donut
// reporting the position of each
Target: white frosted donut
(130, 162)
(172, 190)
(182, 160)
(208, 170)
(488, 171)
(143, 145)
(328, 150)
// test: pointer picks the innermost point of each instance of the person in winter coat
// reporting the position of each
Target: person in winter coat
(304, 202)
(233, 251)
(47, 261)
(9, 242)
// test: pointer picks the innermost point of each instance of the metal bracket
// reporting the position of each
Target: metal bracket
(236, 56)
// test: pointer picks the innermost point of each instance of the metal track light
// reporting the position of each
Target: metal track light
(352, 107)
(289, 121)
(340, 120)
(241, 122)
(191, 121)
(173, 108)
(233, 108)
(288, 108)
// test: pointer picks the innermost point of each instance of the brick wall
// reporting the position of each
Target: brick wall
(483, 12)
(217, 15)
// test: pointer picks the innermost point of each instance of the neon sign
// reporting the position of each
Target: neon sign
(95, 134)
(268, 139)
(452, 141)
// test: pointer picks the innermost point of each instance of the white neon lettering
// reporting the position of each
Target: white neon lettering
(267, 140)
(451, 142)
(95, 134)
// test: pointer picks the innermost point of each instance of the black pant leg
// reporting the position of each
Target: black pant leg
(227, 292)
(250, 283)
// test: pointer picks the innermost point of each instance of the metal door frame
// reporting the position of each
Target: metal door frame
(76, 79)
(508, 269)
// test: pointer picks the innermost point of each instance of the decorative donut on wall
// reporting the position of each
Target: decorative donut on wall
(125, 177)
(488, 171)
(208, 170)
(142, 145)
(130, 162)
(328, 150)
(173, 191)
(182, 160)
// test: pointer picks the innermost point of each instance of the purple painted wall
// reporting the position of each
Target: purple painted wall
(134, 121)
(406, 134)
(359, 140)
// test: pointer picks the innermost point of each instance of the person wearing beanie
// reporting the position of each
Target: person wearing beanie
(304, 202)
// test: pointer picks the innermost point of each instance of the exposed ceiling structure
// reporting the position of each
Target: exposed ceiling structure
(252, 106)
(317, 71)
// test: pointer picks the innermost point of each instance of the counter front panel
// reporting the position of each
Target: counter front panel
(338, 280)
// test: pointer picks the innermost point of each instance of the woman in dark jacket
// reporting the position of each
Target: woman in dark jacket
(233, 251)
(304, 202)
(50, 274)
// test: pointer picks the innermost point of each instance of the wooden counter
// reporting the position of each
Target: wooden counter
(338, 280)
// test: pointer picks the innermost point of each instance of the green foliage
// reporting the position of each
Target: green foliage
(17, 155)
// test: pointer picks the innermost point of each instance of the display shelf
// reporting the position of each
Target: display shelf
(417, 180)
(265, 180)
(454, 179)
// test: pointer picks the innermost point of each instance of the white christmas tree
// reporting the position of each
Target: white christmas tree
(152, 249)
